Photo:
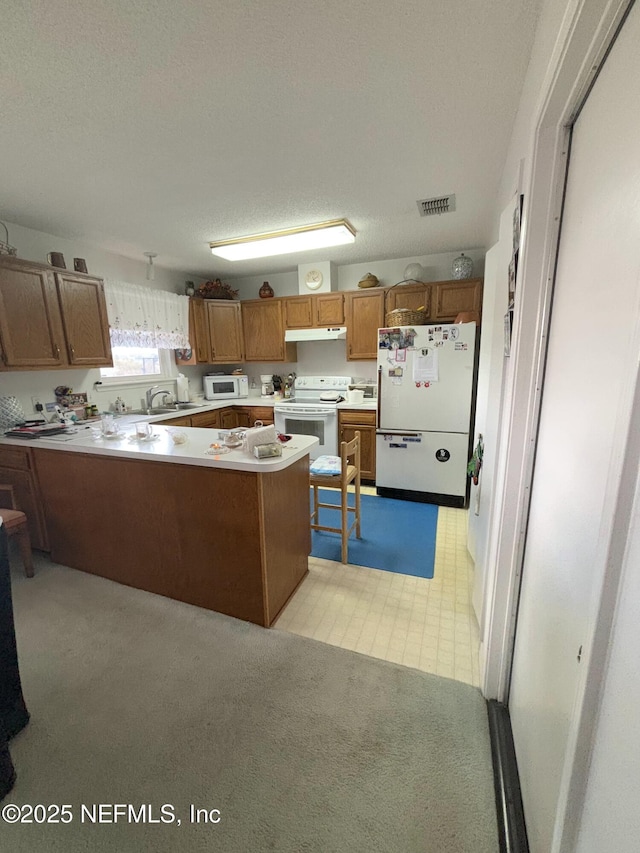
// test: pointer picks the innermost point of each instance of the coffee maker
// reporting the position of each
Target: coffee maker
(267, 385)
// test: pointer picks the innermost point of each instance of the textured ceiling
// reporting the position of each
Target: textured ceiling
(159, 126)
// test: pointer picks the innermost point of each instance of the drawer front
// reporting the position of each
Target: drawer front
(259, 413)
(15, 457)
(353, 416)
(206, 419)
(184, 421)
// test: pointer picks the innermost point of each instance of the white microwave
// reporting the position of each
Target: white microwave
(224, 387)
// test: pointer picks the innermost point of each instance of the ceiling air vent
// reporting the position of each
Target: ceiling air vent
(433, 206)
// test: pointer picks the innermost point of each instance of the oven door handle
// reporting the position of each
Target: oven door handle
(301, 413)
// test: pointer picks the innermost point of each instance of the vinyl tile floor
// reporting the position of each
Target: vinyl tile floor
(425, 624)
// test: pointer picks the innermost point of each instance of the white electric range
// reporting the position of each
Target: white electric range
(314, 411)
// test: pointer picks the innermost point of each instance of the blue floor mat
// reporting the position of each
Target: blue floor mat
(397, 536)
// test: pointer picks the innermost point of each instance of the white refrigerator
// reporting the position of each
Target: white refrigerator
(426, 378)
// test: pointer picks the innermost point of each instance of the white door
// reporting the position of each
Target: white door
(584, 419)
(409, 400)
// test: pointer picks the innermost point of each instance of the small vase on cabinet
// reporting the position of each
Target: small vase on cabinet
(462, 267)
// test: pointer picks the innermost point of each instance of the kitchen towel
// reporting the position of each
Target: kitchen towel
(258, 435)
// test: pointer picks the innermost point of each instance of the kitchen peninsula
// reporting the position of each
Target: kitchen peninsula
(228, 533)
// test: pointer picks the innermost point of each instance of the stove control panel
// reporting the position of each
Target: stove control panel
(319, 383)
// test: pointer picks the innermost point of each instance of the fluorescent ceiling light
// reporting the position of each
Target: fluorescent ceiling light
(337, 232)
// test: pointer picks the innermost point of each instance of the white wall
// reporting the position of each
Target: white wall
(609, 820)
(534, 90)
(490, 370)
(437, 267)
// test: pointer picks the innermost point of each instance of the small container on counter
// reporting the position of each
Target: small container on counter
(267, 451)
(182, 388)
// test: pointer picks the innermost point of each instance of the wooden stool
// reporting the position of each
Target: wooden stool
(15, 523)
(349, 473)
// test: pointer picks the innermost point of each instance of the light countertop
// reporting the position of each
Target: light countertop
(370, 404)
(163, 448)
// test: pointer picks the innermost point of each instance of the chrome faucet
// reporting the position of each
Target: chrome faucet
(153, 392)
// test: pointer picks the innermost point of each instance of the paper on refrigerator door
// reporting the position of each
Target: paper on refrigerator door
(425, 365)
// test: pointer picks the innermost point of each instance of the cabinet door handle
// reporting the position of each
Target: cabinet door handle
(57, 349)
(72, 350)
(3, 356)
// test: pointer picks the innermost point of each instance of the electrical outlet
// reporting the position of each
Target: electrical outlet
(50, 407)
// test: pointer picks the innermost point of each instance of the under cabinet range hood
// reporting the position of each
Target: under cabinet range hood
(335, 333)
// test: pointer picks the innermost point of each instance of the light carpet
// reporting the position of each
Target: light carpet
(301, 746)
(396, 536)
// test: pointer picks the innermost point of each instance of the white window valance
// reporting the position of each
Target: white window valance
(145, 317)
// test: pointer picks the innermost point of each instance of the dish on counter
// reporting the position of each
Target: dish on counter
(217, 449)
(144, 440)
(113, 436)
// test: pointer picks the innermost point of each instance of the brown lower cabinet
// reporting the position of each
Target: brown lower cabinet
(206, 419)
(248, 415)
(16, 469)
(351, 421)
(17, 463)
(227, 418)
(236, 542)
(183, 420)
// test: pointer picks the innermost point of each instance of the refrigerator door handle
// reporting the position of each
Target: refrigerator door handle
(397, 432)
(379, 394)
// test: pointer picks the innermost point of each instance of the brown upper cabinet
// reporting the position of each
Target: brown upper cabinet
(51, 319)
(225, 331)
(199, 330)
(365, 315)
(450, 298)
(308, 312)
(328, 309)
(412, 296)
(216, 331)
(442, 300)
(84, 318)
(298, 312)
(263, 330)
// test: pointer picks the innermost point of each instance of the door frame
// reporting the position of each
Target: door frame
(588, 31)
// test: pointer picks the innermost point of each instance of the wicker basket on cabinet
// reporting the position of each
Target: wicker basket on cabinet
(405, 317)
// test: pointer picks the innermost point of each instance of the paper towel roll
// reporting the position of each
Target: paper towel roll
(182, 388)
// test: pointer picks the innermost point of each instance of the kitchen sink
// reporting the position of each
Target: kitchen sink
(178, 407)
(162, 410)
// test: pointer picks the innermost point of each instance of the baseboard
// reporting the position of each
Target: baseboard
(456, 501)
(512, 829)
